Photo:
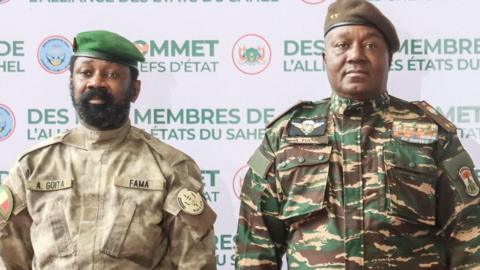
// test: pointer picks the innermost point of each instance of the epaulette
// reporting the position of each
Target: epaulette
(289, 110)
(436, 116)
(168, 152)
(50, 141)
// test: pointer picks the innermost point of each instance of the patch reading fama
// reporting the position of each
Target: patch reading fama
(190, 202)
(140, 183)
(6, 203)
(468, 180)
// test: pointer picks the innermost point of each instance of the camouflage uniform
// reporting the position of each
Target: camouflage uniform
(343, 184)
(105, 200)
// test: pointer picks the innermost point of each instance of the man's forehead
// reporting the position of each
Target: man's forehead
(362, 31)
(83, 60)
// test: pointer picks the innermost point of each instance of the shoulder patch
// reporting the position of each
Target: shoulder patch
(460, 170)
(6, 203)
(50, 141)
(190, 202)
(300, 103)
(436, 116)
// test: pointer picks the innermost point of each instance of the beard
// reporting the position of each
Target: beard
(104, 116)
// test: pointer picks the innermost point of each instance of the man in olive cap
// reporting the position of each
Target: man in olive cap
(105, 195)
(362, 180)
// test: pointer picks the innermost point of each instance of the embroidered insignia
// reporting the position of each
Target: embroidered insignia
(307, 127)
(423, 133)
(469, 182)
(6, 202)
(190, 202)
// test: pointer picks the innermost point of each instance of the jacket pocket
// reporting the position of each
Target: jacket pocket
(411, 178)
(303, 173)
(51, 238)
(119, 228)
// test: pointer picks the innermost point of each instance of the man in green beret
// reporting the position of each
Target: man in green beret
(362, 180)
(105, 195)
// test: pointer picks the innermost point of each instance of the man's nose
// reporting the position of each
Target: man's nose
(96, 81)
(356, 54)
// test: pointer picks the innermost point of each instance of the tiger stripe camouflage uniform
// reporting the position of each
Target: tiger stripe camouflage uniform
(343, 184)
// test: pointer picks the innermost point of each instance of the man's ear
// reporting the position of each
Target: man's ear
(136, 90)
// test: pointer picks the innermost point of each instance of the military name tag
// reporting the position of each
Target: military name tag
(49, 185)
(307, 140)
(139, 183)
(469, 182)
(190, 202)
(307, 127)
(422, 133)
(6, 203)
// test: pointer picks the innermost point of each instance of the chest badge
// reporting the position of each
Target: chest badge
(190, 202)
(308, 127)
(6, 202)
(469, 182)
(423, 133)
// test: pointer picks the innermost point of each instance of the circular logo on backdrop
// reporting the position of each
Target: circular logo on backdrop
(7, 122)
(251, 54)
(313, 2)
(54, 54)
(238, 180)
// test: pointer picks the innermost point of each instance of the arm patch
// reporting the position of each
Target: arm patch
(260, 163)
(460, 170)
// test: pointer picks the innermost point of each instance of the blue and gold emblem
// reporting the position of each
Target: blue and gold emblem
(7, 122)
(54, 54)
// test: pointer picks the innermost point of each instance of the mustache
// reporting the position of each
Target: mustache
(99, 93)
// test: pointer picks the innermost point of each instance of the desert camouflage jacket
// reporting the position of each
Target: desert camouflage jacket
(89, 199)
(343, 184)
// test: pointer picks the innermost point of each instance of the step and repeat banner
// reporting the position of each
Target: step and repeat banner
(218, 70)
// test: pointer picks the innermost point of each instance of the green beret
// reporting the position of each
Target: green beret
(361, 12)
(107, 46)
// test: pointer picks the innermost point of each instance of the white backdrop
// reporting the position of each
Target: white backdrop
(218, 70)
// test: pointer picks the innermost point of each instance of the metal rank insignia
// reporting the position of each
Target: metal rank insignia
(423, 133)
(307, 127)
(190, 202)
(468, 180)
(6, 202)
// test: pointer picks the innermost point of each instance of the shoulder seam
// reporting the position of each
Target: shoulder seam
(436, 116)
(51, 141)
(159, 146)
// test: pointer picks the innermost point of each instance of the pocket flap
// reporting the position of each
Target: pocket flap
(303, 172)
(410, 157)
(119, 229)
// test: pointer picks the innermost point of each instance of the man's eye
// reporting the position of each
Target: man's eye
(342, 45)
(112, 75)
(85, 72)
(371, 46)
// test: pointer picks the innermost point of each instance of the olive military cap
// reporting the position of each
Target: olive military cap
(361, 12)
(107, 46)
